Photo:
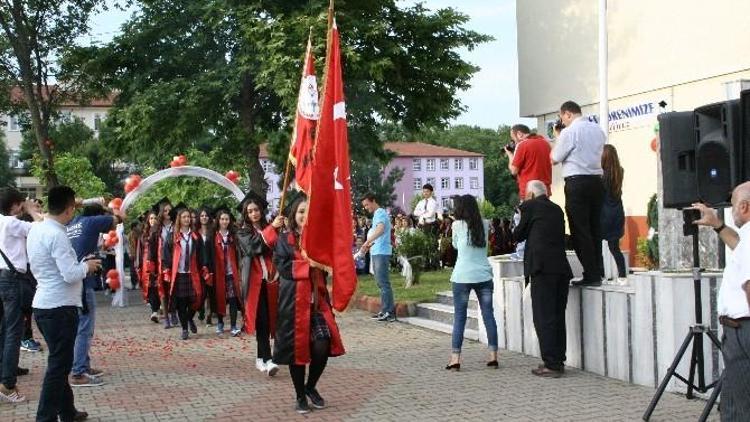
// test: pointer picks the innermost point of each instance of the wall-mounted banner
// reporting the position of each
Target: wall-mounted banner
(632, 116)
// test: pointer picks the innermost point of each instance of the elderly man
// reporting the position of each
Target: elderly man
(542, 226)
(734, 304)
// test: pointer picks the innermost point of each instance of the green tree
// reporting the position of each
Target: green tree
(225, 74)
(75, 172)
(6, 175)
(369, 177)
(33, 35)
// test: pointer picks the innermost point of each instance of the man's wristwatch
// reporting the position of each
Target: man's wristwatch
(720, 228)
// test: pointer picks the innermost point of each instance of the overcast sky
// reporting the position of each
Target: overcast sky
(493, 98)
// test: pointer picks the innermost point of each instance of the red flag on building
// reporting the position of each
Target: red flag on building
(327, 237)
(308, 112)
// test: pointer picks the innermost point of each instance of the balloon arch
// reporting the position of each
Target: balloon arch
(119, 298)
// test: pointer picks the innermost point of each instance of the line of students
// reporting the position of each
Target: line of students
(185, 262)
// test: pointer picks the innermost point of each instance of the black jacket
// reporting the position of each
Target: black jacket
(542, 226)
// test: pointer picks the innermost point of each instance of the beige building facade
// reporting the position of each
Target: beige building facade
(667, 55)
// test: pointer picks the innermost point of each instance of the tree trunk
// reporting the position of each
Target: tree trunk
(256, 176)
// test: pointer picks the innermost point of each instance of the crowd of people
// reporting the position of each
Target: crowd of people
(187, 262)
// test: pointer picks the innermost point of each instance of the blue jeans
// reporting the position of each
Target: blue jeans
(11, 327)
(381, 266)
(81, 359)
(460, 304)
(58, 326)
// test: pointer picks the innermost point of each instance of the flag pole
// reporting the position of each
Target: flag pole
(289, 155)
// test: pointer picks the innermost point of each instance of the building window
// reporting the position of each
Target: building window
(416, 164)
(417, 183)
(14, 162)
(447, 203)
(267, 165)
(445, 183)
(444, 164)
(431, 181)
(458, 164)
(473, 163)
(474, 183)
(459, 183)
(97, 122)
(430, 164)
(14, 125)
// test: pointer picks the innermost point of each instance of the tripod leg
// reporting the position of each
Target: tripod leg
(693, 362)
(711, 401)
(714, 338)
(668, 376)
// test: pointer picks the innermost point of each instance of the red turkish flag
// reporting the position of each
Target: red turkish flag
(308, 112)
(327, 237)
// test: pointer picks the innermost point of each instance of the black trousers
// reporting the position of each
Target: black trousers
(549, 297)
(584, 196)
(614, 249)
(153, 295)
(59, 327)
(262, 325)
(735, 388)
(319, 350)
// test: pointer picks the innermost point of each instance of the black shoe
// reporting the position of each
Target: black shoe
(80, 416)
(493, 364)
(453, 367)
(302, 407)
(587, 283)
(22, 371)
(387, 317)
(184, 335)
(193, 328)
(377, 316)
(315, 398)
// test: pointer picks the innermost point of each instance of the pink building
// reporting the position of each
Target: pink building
(450, 171)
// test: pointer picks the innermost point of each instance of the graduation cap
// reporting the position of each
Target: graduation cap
(162, 202)
(252, 196)
(291, 197)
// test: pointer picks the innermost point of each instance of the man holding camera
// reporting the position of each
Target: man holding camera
(734, 304)
(84, 232)
(579, 150)
(528, 159)
(59, 275)
(13, 233)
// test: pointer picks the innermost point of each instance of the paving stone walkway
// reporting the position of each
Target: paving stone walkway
(392, 371)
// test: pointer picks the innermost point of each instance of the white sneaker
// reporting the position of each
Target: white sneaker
(260, 365)
(622, 281)
(272, 368)
(12, 397)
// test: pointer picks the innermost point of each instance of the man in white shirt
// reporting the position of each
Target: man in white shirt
(57, 301)
(426, 211)
(734, 305)
(13, 234)
(579, 150)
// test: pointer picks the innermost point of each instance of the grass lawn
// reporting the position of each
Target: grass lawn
(430, 283)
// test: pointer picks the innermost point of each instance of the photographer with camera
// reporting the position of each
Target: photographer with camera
(528, 159)
(734, 304)
(84, 232)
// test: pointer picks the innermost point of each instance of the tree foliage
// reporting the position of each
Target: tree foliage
(6, 176)
(367, 177)
(223, 75)
(34, 34)
(73, 171)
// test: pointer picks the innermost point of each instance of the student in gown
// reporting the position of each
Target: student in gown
(306, 332)
(257, 239)
(181, 268)
(226, 273)
(205, 230)
(150, 286)
(164, 232)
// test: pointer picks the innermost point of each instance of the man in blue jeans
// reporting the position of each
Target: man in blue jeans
(83, 233)
(379, 244)
(13, 233)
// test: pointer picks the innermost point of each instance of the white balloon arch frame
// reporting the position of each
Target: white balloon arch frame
(119, 298)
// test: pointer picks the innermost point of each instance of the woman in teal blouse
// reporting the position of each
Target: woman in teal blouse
(471, 272)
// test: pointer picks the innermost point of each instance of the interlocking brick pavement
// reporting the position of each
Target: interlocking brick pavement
(392, 371)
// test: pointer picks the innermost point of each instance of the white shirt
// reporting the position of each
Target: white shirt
(426, 210)
(13, 234)
(579, 148)
(53, 261)
(732, 297)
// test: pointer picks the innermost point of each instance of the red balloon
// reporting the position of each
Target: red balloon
(129, 187)
(114, 283)
(112, 233)
(173, 164)
(113, 274)
(181, 160)
(654, 144)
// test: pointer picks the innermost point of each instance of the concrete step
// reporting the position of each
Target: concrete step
(441, 312)
(446, 298)
(470, 334)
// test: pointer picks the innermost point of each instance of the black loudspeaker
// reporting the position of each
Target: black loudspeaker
(719, 153)
(745, 135)
(677, 143)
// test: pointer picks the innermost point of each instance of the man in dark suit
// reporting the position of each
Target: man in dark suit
(542, 226)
